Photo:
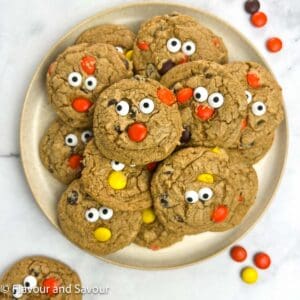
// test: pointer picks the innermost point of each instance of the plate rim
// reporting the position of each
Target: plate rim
(96, 16)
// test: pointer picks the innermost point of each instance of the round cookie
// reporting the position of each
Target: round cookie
(265, 111)
(137, 121)
(61, 150)
(92, 226)
(166, 41)
(198, 189)
(212, 103)
(39, 277)
(153, 234)
(78, 75)
(114, 184)
(117, 35)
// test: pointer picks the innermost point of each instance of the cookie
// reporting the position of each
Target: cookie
(61, 150)
(137, 121)
(212, 103)
(92, 226)
(166, 41)
(113, 183)
(199, 189)
(39, 277)
(153, 234)
(119, 36)
(265, 110)
(78, 75)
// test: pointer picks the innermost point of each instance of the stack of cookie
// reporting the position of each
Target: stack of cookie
(156, 134)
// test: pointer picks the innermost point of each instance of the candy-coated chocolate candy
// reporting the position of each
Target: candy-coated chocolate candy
(219, 214)
(205, 177)
(117, 180)
(244, 124)
(186, 135)
(144, 46)
(167, 66)
(253, 80)
(238, 253)
(262, 260)
(75, 161)
(152, 166)
(274, 44)
(51, 286)
(137, 132)
(259, 19)
(204, 112)
(166, 96)
(184, 95)
(81, 104)
(129, 54)
(148, 216)
(102, 234)
(249, 275)
(216, 150)
(88, 64)
(252, 6)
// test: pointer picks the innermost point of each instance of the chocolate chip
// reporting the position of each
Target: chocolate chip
(126, 63)
(208, 75)
(164, 200)
(118, 129)
(252, 6)
(178, 219)
(72, 198)
(112, 102)
(168, 172)
(186, 135)
(167, 66)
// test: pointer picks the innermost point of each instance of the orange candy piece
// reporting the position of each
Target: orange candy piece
(51, 286)
(259, 19)
(137, 132)
(166, 96)
(81, 104)
(253, 80)
(219, 214)
(204, 112)
(144, 46)
(238, 253)
(75, 161)
(244, 123)
(88, 64)
(184, 95)
(274, 44)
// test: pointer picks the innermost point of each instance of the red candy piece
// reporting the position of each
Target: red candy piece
(253, 80)
(244, 124)
(51, 286)
(75, 161)
(166, 96)
(81, 104)
(137, 132)
(204, 112)
(152, 166)
(184, 60)
(262, 260)
(219, 214)
(154, 247)
(184, 95)
(274, 44)
(144, 46)
(88, 64)
(238, 253)
(259, 19)
(216, 42)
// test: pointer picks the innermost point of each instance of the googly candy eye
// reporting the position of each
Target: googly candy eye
(248, 96)
(205, 194)
(216, 100)
(17, 291)
(146, 106)
(105, 213)
(259, 108)
(90, 83)
(71, 140)
(119, 49)
(117, 166)
(200, 94)
(30, 282)
(173, 45)
(122, 108)
(86, 136)
(92, 215)
(75, 79)
(188, 48)
(191, 196)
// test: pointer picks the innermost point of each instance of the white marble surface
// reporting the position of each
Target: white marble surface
(28, 29)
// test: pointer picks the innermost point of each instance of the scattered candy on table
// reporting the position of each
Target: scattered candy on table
(262, 260)
(249, 275)
(274, 44)
(238, 253)
(252, 6)
(259, 19)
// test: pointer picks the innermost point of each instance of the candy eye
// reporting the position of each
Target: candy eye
(30, 282)
(90, 83)
(173, 45)
(189, 48)
(119, 49)
(146, 106)
(105, 213)
(216, 100)
(92, 215)
(117, 166)
(191, 196)
(205, 194)
(71, 140)
(75, 79)
(86, 136)
(17, 291)
(248, 96)
(122, 108)
(200, 94)
(259, 108)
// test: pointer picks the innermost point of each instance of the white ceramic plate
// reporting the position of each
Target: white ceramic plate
(37, 115)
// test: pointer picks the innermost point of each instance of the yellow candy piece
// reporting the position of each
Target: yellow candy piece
(249, 275)
(128, 54)
(102, 234)
(205, 177)
(216, 150)
(117, 180)
(148, 216)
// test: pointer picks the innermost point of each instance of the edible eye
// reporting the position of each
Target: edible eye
(122, 108)
(248, 96)
(146, 106)
(30, 282)
(117, 166)
(259, 108)
(17, 291)
(216, 100)
(105, 213)
(200, 94)
(71, 140)
(90, 83)
(173, 45)
(191, 196)
(205, 194)
(92, 215)
(119, 49)
(189, 48)
(86, 136)
(75, 79)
